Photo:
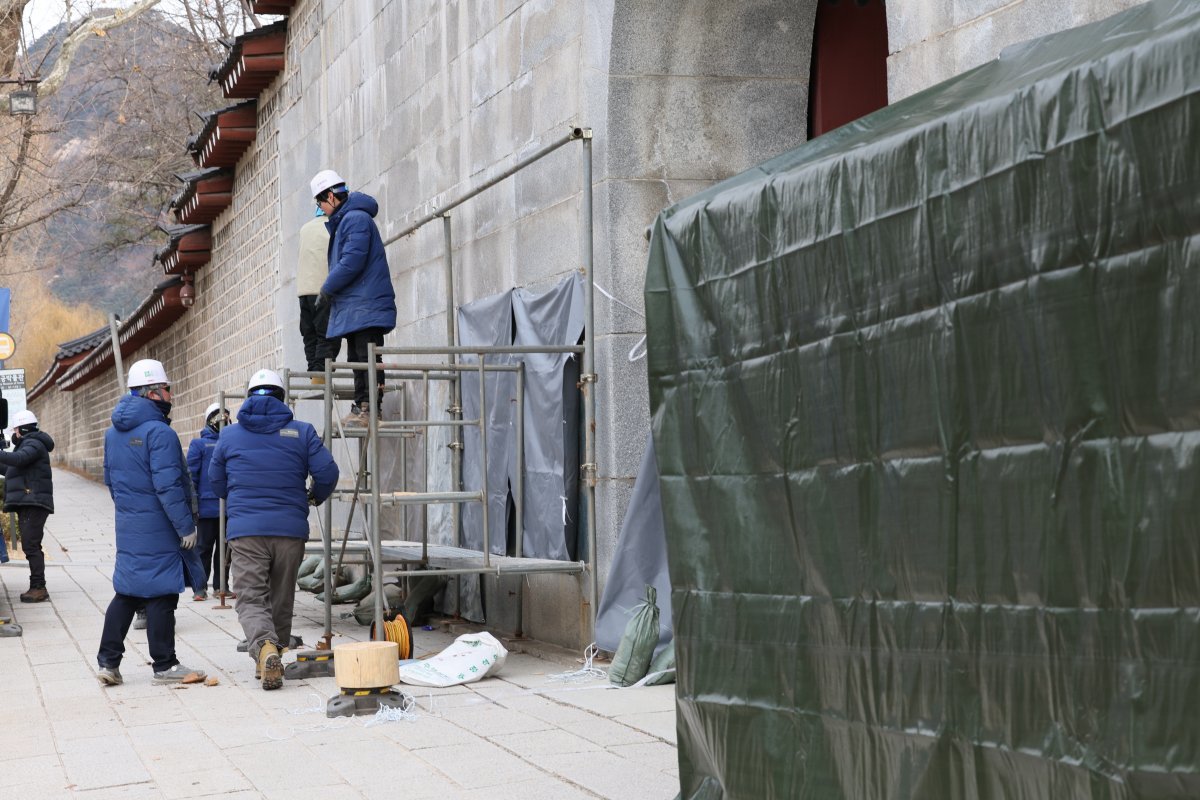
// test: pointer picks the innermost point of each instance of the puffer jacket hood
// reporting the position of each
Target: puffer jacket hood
(132, 411)
(359, 284)
(263, 414)
(28, 480)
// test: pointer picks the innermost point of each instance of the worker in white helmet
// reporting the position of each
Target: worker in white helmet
(155, 522)
(261, 466)
(359, 285)
(199, 453)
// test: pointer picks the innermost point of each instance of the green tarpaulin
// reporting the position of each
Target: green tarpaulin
(926, 404)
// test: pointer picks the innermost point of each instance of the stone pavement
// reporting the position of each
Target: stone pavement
(519, 735)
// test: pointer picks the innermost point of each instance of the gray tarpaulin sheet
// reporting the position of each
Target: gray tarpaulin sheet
(554, 317)
(640, 560)
(926, 407)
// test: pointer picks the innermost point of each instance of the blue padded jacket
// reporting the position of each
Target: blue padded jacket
(260, 466)
(199, 453)
(145, 474)
(359, 285)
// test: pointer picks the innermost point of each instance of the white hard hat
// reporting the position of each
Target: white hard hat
(264, 377)
(147, 372)
(325, 179)
(22, 418)
(212, 409)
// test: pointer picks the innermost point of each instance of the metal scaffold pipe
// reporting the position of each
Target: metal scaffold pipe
(588, 378)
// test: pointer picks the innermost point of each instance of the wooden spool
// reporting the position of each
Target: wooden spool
(366, 665)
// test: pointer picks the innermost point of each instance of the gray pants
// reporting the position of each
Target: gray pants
(263, 576)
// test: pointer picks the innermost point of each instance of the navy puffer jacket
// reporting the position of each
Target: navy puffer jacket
(145, 474)
(261, 465)
(199, 453)
(359, 285)
(27, 477)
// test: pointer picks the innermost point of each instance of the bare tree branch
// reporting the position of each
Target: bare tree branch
(90, 25)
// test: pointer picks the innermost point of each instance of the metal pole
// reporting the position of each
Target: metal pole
(483, 465)
(115, 341)
(327, 512)
(570, 136)
(519, 499)
(222, 556)
(425, 467)
(456, 441)
(373, 479)
(588, 378)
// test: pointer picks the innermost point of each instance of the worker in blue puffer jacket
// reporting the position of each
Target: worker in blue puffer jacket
(261, 465)
(155, 522)
(199, 454)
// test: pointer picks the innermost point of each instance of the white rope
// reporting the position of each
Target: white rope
(606, 293)
(587, 672)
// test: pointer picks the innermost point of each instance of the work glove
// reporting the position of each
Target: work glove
(189, 541)
(322, 299)
(312, 499)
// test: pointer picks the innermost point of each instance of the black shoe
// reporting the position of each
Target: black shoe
(37, 595)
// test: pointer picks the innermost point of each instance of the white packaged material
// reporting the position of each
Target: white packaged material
(473, 656)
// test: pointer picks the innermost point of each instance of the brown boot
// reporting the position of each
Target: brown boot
(38, 595)
(270, 666)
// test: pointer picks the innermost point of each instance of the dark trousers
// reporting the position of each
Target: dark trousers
(208, 531)
(356, 351)
(314, 321)
(264, 578)
(160, 629)
(32, 524)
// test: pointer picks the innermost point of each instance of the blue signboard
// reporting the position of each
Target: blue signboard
(5, 301)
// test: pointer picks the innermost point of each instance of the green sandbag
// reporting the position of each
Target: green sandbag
(308, 566)
(316, 581)
(364, 612)
(353, 592)
(632, 659)
(664, 663)
(418, 605)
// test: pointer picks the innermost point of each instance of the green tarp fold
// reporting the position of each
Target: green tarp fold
(926, 405)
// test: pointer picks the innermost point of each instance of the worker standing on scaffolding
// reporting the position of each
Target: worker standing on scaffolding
(260, 466)
(312, 266)
(359, 285)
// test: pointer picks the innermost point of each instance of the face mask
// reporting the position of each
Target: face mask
(164, 406)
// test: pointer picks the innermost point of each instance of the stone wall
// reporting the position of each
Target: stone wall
(933, 40)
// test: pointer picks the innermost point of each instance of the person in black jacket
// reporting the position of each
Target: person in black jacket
(29, 491)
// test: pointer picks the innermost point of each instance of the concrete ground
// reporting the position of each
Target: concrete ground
(519, 735)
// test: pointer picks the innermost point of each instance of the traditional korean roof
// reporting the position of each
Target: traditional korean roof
(189, 249)
(254, 59)
(205, 194)
(283, 7)
(226, 134)
(155, 314)
(69, 353)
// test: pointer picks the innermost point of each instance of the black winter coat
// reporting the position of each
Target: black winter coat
(27, 480)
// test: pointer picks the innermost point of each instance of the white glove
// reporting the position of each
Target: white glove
(189, 541)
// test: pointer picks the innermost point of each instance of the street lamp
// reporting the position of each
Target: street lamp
(22, 102)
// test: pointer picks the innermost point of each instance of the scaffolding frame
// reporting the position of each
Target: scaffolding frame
(455, 560)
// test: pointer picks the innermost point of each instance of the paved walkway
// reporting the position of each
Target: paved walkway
(519, 735)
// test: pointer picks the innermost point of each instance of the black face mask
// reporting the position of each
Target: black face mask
(164, 406)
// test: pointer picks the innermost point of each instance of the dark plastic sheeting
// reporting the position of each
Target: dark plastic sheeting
(927, 418)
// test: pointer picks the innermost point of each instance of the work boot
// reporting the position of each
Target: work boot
(357, 418)
(35, 595)
(270, 667)
(110, 676)
(318, 380)
(176, 674)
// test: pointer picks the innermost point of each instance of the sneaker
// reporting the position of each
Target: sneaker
(139, 621)
(200, 597)
(270, 667)
(38, 595)
(9, 630)
(109, 676)
(176, 674)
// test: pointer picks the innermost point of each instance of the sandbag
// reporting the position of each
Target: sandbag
(418, 604)
(364, 612)
(473, 656)
(662, 668)
(633, 655)
(308, 566)
(353, 592)
(316, 581)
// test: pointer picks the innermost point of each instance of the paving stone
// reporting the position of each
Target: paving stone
(102, 762)
(479, 764)
(611, 776)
